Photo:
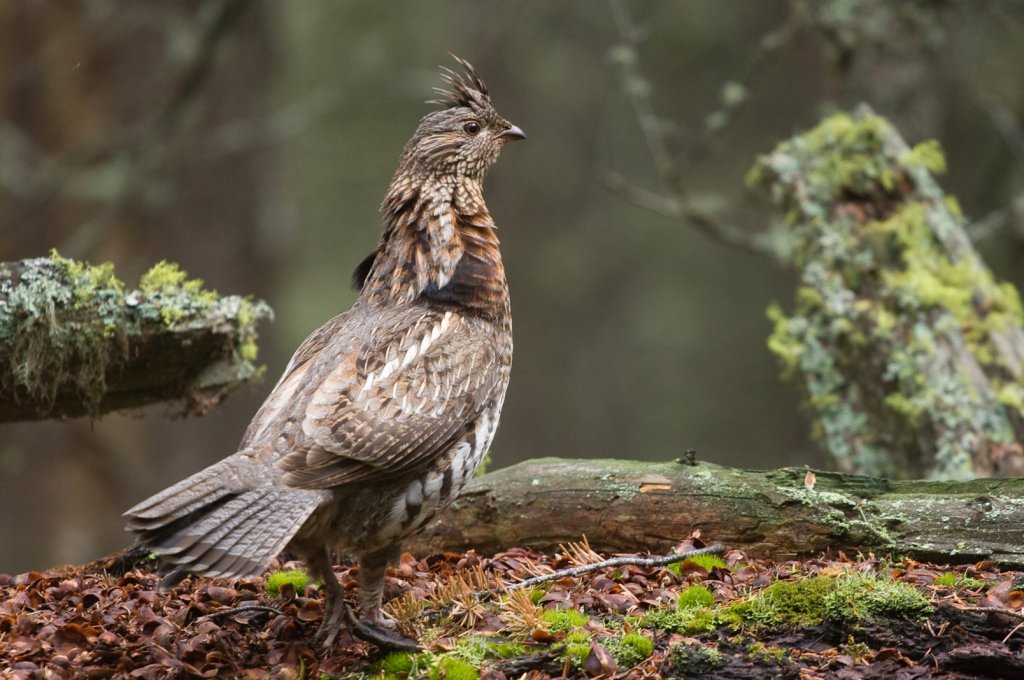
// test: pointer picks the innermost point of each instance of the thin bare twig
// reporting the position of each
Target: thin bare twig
(672, 201)
(645, 562)
(241, 609)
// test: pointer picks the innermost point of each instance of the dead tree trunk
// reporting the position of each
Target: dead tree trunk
(909, 352)
(630, 506)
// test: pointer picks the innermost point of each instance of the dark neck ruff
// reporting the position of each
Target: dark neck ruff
(440, 246)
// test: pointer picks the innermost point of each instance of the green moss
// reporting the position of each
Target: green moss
(761, 653)
(577, 647)
(695, 659)
(452, 668)
(277, 579)
(630, 649)
(953, 580)
(928, 155)
(852, 597)
(475, 649)
(858, 597)
(396, 664)
(506, 650)
(708, 562)
(695, 596)
(173, 292)
(562, 620)
(690, 616)
(800, 602)
(784, 341)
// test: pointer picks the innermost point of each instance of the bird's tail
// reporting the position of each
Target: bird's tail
(211, 525)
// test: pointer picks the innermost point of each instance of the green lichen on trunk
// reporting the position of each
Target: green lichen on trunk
(68, 329)
(909, 352)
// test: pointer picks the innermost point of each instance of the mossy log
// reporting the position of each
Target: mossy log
(74, 342)
(781, 514)
(909, 352)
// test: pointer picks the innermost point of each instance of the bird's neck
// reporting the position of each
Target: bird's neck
(440, 245)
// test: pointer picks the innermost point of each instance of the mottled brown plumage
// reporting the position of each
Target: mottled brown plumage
(385, 411)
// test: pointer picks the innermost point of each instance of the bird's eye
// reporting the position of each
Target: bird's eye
(472, 127)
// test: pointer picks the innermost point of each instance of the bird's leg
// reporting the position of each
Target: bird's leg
(371, 586)
(336, 610)
(334, 604)
(375, 626)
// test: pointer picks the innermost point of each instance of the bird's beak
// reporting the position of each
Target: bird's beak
(513, 132)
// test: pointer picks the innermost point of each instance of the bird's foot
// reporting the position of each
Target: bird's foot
(327, 633)
(379, 629)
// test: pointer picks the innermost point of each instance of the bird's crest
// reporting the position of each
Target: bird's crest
(463, 90)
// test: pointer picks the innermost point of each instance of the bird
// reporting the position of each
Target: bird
(383, 413)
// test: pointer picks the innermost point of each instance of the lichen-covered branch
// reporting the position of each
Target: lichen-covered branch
(631, 506)
(908, 350)
(74, 341)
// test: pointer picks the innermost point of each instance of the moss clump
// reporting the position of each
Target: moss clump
(474, 650)
(562, 620)
(396, 665)
(695, 596)
(690, 616)
(630, 649)
(858, 597)
(173, 292)
(928, 155)
(277, 579)
(953, 580)
(577, 647)
(695, 659)
(506, 650)
(705, 562)
(690, 622)
(453, 668)
(179, 300)
(849, 598)
(800, 603)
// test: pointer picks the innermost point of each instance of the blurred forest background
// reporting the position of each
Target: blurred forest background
(251, 142)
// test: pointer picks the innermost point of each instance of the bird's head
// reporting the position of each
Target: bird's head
(463, 139)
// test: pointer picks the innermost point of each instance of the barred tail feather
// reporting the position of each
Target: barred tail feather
(196, 527)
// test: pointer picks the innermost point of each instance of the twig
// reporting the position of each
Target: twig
(646, 562)
(1015, 629)
(676, 206)
(672, 200)
(241, 609)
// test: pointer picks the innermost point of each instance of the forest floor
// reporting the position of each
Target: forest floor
(718, 617)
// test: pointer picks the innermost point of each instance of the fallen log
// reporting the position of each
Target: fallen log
(625, 505)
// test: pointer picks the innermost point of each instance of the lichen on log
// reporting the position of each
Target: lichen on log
(74, 341)
(622, 505)
(909, 352)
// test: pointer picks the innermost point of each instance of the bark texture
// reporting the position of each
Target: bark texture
(631, 506)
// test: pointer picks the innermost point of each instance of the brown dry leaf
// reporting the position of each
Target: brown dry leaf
(599, 662)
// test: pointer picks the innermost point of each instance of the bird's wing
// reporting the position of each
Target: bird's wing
(394, 402)
(293, 380)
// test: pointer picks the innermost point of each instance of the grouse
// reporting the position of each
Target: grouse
(384, 412)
